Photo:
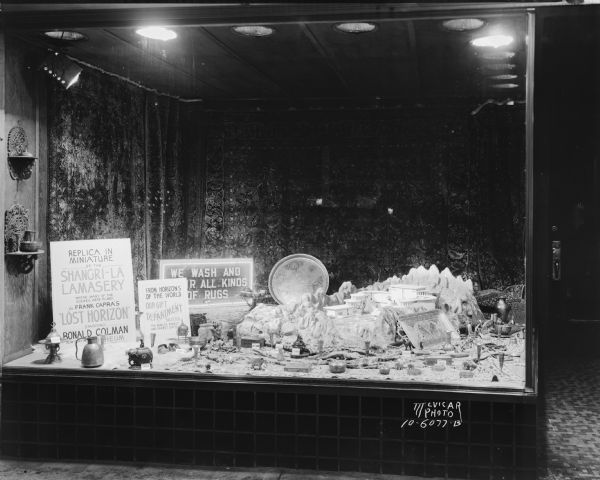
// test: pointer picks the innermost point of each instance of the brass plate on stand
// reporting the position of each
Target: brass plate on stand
(295, 275)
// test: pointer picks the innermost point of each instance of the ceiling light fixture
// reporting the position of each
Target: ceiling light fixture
(505, 76)
(156, 33)
(498, 55)
(254, 30)
(64, 70)
(355, 27)
(65, 35)
(497, 67)
(463, 24)
(505, 85)
(492, 41)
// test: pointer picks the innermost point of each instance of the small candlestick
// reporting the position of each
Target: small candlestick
(320, 346)
(182, 332)
(503, 309)
(280, 355)
(367, 346)
(501, 360)
(478, 352)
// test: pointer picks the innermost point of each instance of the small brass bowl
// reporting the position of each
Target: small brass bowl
(197, 341)
(337, 366)
(505, 330)
(29, 246)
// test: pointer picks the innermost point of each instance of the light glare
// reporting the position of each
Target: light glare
(254, 30)
(355, 27)
(492, 41)
(157, 33)
(73, 81)
(463, 24)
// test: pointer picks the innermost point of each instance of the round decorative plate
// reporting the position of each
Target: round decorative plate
(295, 275)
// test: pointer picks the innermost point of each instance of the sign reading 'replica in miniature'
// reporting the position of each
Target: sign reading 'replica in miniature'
(217, 282)
(164, 307)
(92, 289)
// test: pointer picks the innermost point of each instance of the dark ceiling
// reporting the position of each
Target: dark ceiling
(405, 60)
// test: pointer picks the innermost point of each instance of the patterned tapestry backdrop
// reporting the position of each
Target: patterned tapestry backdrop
(370, 193)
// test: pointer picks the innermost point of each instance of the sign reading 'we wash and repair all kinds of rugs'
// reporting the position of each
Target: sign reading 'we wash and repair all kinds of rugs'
(216, 282)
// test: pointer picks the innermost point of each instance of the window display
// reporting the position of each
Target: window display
(345, 200)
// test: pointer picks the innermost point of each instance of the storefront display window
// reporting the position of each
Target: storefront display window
(310, 199)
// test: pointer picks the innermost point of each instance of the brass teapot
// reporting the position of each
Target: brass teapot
(92, 354)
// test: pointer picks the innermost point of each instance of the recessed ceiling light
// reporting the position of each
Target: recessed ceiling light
(254, 30)
(506, 76)
(505, 85)
(355, 27)
(157, 33)
(65, 35)
(492, 41)
(497, 55)
(463, 24)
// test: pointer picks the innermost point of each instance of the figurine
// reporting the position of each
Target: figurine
(197, 319)
(300, 346)
(406, 342)
(469, 365)
(257, 363)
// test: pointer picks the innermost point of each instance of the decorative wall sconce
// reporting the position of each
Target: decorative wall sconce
(20, 161)
(20, 247)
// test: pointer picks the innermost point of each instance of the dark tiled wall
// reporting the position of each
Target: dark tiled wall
(195, 423)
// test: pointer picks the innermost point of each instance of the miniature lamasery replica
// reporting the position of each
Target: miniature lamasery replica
(425, 326)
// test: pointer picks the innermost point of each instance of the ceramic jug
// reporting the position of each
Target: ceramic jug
(92, 354)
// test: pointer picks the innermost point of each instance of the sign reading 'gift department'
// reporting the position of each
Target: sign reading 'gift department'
(92, 289)
(164, 305)
(217, 282)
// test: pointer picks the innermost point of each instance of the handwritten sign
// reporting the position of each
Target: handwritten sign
(435, 414)
(92, 289)
(217, 282)
(164, 304)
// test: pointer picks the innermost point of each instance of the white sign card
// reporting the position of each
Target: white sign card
(164, 307)
(426, 329)
(93, 289)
